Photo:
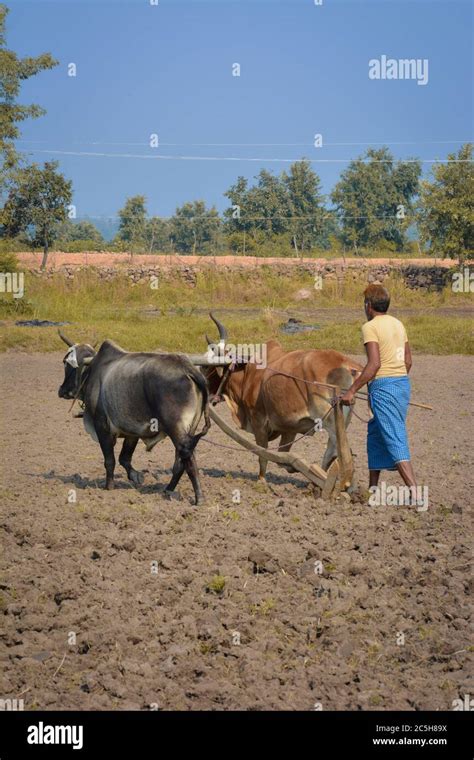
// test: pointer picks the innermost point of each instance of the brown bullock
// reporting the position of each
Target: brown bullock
(268, 403)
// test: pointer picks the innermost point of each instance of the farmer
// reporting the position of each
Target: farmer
(386, 372)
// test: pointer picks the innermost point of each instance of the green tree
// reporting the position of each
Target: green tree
(194, 228)
(269, 205)
(86, 230)
(133, 223)
(447, 206)
(237, 218)
(263, 207)
(280, 211)
(69, 232)
(158, 233)
(36, 204)
(138, 232)
(14, 71)
(307, 216)
(374, 199)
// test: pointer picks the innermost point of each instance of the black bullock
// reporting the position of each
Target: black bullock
(138, 396)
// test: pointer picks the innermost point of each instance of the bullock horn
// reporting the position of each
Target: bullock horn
(66, 340)
(222, 331)
(204, 360)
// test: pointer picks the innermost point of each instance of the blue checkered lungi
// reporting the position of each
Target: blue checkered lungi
(387, 440)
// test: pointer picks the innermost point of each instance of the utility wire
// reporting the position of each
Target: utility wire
(253, 159)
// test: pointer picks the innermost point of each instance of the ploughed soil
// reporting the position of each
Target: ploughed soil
(267, 597)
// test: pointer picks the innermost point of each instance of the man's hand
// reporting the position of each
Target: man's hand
(347, 398)
(367, 374)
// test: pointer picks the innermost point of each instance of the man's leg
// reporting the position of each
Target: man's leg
(374, 476)
(406, 471)
(376, 452)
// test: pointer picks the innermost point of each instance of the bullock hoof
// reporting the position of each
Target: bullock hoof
(109, 485)
(136, 477)
(172, 495)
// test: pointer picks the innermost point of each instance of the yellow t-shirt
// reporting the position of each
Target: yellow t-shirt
(391, 336)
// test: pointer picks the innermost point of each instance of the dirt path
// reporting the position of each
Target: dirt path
(89, 625)
(57, 259)
(327, 315)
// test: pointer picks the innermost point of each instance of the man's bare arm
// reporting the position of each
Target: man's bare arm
(367, 374)
(408, 359)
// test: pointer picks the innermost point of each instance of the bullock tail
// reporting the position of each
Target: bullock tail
(186, 450)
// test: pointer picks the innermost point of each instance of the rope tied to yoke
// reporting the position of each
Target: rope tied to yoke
(311, 431)
(217, 397)
(84, 376)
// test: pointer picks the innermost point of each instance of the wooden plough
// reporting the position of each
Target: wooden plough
(337, 478)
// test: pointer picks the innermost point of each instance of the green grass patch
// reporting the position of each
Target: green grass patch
(216, 584)
(427, 334)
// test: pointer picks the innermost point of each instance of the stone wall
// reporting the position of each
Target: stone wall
(415, 275)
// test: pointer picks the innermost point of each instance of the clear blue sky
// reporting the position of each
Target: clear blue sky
(167, 69)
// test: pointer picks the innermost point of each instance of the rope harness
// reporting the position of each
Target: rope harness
(333, 403)
(85, 372)
(216, 397)
(335, 400)
(325, 385)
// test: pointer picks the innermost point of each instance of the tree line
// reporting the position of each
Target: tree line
(378, 203)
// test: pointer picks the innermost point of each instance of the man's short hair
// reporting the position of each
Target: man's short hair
(377, 297)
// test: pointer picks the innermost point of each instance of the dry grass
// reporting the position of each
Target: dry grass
(174, 315)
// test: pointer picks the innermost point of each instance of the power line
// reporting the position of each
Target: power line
(159, 157)
(244, 218)
(259, 145)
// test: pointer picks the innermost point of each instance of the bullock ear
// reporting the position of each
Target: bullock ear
(87, 360)
(63, 337)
